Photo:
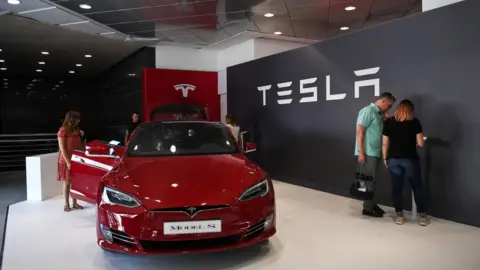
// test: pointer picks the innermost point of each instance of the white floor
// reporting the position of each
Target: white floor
(316, 230)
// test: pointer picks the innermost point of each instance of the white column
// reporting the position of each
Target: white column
(433, 4)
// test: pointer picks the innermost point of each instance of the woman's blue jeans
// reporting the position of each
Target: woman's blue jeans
(399, 169)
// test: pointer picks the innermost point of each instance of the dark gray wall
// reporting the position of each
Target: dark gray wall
(432, 58)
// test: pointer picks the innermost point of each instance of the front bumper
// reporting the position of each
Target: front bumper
(141, 231)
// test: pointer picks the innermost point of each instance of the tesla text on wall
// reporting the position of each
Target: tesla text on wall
(311, 91)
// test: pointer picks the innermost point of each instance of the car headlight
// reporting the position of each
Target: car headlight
(258, 190)
(112, 196)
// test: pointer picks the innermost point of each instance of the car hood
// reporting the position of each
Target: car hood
(180, 181)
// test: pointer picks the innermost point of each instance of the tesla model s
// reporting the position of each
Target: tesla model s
(176, 187)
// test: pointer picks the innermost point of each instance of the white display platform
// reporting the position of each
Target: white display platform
(42, 181)
(316, 231)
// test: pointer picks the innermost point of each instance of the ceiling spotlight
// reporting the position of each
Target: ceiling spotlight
(344, 28)
(350, 8)
(79, 65)
(41, 63)
(278, 33)
(3, 68)
(0, 50)
(39, 70)
(57, 85)
(2, 61)
(5, 79)
(60, 81)
(45, 53)
(107, 33)
(269, 15)
(14, 2)
(71, 71)
(85, 6)
(88, 56)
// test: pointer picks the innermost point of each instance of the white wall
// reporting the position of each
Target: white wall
(265, 47)
(236, 54)
(432, 4)
(185, 58)
(217, 59)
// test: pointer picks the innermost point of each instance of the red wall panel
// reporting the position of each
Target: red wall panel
(159, 89)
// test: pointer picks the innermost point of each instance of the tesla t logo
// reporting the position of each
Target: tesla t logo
(185, 88)
(191, 210)
(309, 91)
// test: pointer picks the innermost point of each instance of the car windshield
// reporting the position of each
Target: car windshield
(180, 139)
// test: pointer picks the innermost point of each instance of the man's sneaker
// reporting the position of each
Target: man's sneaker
(424, 221)
(372, 213)
(400, 220)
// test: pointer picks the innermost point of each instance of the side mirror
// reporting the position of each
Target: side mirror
(250, 147)
(98, 151)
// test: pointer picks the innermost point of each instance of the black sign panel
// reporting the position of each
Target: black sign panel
(300, 107)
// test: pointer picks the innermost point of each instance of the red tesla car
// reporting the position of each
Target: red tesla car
(177, 187)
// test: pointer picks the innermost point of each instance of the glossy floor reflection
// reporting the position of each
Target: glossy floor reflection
(316, 230)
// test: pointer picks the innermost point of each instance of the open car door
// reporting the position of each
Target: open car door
(90, 165)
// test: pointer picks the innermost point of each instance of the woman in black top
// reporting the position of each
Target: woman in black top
(401, 135)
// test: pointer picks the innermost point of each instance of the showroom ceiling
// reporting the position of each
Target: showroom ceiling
(24, 45)
(206, 22)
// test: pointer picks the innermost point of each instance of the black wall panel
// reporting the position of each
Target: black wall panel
(432, 58)
(38, 105)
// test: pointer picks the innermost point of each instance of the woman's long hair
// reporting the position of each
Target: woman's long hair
(404, 111)
(229, 119)
(70, 124)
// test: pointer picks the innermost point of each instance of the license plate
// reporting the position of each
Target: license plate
(192, 227)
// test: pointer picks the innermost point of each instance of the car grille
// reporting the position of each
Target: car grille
(190, 244)
(255, 230)
(123, 239)
(191, 210)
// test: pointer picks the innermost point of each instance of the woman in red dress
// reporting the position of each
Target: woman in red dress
(69, 139)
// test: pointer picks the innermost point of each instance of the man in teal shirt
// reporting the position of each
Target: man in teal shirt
(368, 146)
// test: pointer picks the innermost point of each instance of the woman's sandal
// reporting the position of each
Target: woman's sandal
(67, 208)
(76, 206)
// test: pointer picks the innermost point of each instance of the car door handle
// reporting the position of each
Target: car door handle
(82, 160)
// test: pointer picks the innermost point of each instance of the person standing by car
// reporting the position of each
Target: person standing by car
(401, 135)
(368, 146)
(133, 125)
(234, 128)
(69, 139)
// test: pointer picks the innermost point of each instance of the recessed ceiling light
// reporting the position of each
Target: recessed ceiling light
(71, 71)
(269, 15)
(14, 2)
(41, 63)
(60, 81)
(45, 53)
(344, 28)
(350, 8)
(85, 6)
(79, 65)
(5, 79)
(3, 68)
(39, 70)
(88, 56)
(2, 61)
(57, 85)
(278, 33)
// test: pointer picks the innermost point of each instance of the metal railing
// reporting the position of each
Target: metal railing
(15, 147)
